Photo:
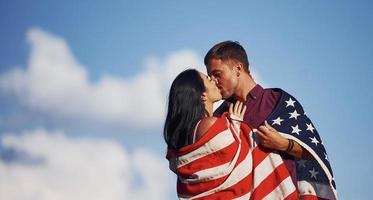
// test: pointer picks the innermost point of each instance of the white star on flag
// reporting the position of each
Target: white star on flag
(294, 115)
(302, 163)
(278, 121)
(326, 156)
(310, 127)
(295, 129)
(314, 140)
(290, 102)
(313, 173)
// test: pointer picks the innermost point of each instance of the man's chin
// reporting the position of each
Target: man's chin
(225, 96)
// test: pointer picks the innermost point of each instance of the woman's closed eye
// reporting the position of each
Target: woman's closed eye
(216, 74)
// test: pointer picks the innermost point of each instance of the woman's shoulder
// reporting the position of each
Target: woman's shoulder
(204, 126)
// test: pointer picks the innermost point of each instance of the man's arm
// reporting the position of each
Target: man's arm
(269, 138)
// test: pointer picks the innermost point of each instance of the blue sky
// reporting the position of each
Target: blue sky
(118, 57)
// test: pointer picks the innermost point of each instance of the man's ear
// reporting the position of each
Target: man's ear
(203, 97)
(238, 68)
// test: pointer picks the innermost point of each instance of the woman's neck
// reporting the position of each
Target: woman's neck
(209, 108)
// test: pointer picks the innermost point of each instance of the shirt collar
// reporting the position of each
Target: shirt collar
(255, 93)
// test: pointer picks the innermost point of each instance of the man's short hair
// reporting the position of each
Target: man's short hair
(228, 51)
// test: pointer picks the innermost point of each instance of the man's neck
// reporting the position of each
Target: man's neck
(246, 84)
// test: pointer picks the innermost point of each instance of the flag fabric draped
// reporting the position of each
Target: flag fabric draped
(314, 177)
(227, 163)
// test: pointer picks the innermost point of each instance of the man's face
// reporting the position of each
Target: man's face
(225, 76)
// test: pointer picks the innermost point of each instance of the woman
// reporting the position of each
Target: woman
(210, 155)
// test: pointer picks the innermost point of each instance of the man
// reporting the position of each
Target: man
(269, 110)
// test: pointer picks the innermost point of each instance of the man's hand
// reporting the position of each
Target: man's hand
(269, 138)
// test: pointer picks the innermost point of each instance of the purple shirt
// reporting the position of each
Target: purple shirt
(259, 105)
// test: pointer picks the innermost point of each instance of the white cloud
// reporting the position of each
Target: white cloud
(56, 83)
(80, 169)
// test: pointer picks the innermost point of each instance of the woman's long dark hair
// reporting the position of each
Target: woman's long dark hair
(185, 108)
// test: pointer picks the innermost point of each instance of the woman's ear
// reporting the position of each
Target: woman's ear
(204, 97)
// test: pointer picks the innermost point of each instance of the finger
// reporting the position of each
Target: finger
(261, 137)
(240, 107)
(264, 130)
(236, 106)
(269, 126)
(231, 108)
(243, 111)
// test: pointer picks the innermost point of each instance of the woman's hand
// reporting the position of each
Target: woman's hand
(237, 111)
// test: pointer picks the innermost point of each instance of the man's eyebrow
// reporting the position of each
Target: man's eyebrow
(214, 71)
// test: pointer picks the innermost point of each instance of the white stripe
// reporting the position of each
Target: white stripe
(218, 142)
(240, 172)
(312, 188)
(214, 172)
(208, 174)
(283, 190)
(266, 167)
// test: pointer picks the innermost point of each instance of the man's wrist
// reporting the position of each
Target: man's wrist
(290, 145)
(285, 145)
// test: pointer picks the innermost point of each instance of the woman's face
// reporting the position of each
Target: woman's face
(212, 92)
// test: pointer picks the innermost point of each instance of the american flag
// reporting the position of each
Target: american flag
(227, 163)
(315, 177)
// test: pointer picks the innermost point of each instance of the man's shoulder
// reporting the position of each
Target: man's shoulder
(286, 99)
(282, 93)
(275, 90)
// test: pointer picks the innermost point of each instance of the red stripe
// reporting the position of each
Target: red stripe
(292, 196)
(258, 156)
(212, 160)
(311, 197)
(244, 150)
(271, 182)
(239, 189)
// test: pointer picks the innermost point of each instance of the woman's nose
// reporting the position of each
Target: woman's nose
(214, 79)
